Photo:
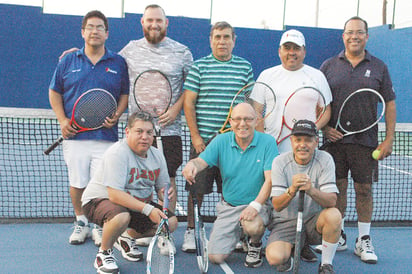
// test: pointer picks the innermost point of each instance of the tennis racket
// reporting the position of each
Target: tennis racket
(89, 112)
(299, 226)
(259, 95)
(363, 101)
(158, 260)
(152, 93)
(304, 103)
(200, 237)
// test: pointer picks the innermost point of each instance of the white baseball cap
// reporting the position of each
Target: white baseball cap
(293, 36)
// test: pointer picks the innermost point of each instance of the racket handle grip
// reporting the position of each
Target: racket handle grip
(53, 146)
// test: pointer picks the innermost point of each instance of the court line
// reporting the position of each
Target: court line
(398, 170)
(226, 268)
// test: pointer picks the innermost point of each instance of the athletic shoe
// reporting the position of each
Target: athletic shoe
(189, 244)
(286, 267)
(80, 233)
(326, 269)
(307, 254)
(105, 262)
(129, 249)
(164, 250)
(145, 241)
(97, 235)
(341, 243)
(254, 255)
(241, 246)
(364, 249)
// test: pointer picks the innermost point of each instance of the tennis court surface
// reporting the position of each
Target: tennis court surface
(44, 248)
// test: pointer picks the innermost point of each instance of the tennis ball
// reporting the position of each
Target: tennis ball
(376, 153)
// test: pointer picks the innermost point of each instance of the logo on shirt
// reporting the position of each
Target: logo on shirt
(76, 70)
(111, 71)
(367, 73)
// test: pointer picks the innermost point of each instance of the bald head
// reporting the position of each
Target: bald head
(244, 109)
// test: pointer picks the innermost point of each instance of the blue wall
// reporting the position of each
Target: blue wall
(30, 43)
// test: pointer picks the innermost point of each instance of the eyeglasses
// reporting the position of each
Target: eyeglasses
(245, 119)
(357, 33)
(99, 28)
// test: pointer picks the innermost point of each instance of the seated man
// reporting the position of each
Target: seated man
(303, 168)
(244, 157)
(119, 195)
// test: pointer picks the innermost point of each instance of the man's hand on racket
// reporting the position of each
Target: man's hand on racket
(169, 116)
(332, 134)
(157, 215)
(109, 122)
(301, 181)
(67, 129)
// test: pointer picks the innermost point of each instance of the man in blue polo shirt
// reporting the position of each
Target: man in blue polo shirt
(244, 157)
(93, 66)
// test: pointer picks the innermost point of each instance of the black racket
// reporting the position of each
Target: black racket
(304, 103)
(158, 261)
(299, 226)
(200, 237)
(89, 112)
(362, 101)
(153, 93)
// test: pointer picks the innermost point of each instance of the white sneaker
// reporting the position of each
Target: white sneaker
(189, 244)
(364, 249)
(129, 249)
(164, 246)
(105, 262)
(97, 235)
(143, 241)
(80, 233)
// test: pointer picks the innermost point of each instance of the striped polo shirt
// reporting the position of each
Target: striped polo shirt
(216, 83)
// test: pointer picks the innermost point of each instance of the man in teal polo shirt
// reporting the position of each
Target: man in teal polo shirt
(244, 157)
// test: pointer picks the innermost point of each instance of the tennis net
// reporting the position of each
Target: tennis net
(35, 186)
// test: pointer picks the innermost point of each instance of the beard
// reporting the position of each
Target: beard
(154, 38)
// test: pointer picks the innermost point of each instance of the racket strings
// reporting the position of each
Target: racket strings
(93, 107)
(152, 92)
(360, 102)
(305, 103)
(160, 260)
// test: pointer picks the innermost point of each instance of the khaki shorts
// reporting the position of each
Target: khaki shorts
(286, 231)
(226, 230)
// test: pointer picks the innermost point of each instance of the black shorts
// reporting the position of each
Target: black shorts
(101, 210)
(172, 150)
(354, 158)
(205, 178)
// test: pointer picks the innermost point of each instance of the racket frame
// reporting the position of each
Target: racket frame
(223, 128)
(157, 127)
(284, 124)
(200, 236)
(346, 132)
(299, 229)
(75, 124)
(163, 230)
